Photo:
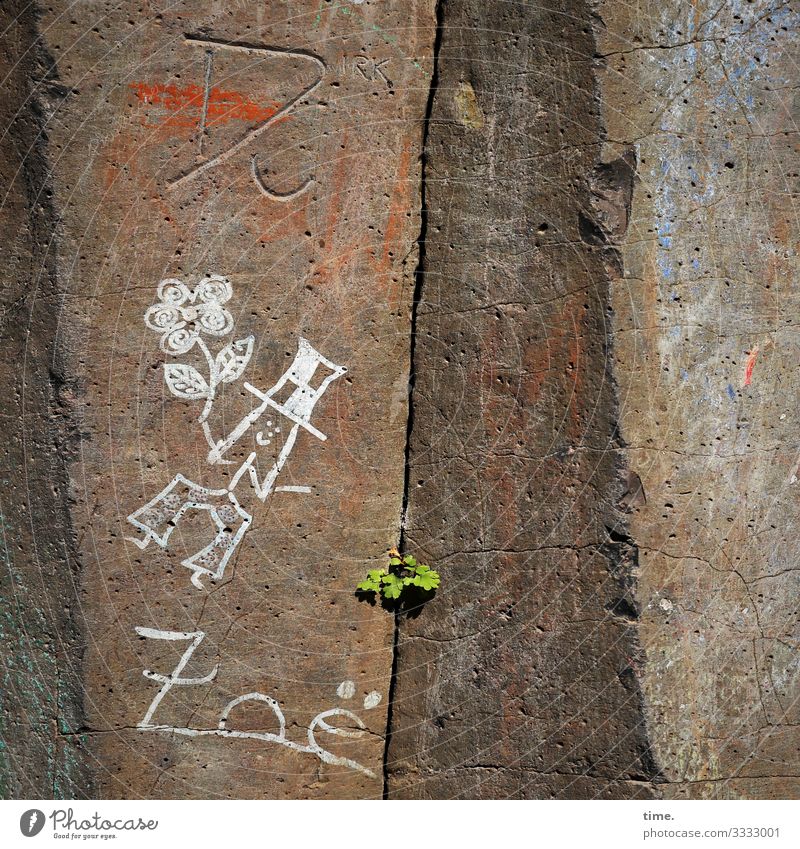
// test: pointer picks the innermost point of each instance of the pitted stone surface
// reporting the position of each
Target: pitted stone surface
(279, 147)
(570, 228)
(520, 678)
(39, 609)
(706, 349)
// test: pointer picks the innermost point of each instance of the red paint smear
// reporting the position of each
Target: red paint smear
(748, 369)
(187, 102)
(398, 207)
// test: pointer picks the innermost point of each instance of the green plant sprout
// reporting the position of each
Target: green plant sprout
(403, 571)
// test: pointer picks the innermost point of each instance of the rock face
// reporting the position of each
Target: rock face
(706, 347)
(522, 679)
(234, 236)
(39, 593)
(603, 457)
(281, 152)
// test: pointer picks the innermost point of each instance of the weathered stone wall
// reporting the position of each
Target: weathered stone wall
(569, 228)
(606, 321)
(277, 145)
(706, 357)
(520, 680)
(40, 611)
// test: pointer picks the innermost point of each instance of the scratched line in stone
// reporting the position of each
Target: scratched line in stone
(211, 45)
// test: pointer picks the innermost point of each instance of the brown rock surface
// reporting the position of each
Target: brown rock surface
(588, 279)
(521, 678)
(706, 354)
(39, 611)
(181, 141)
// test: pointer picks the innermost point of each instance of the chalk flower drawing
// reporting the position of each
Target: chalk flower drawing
(183, 315)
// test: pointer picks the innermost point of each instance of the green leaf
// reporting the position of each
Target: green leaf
(429, 580)
(392, 586)
(393, 590)
(391, 581)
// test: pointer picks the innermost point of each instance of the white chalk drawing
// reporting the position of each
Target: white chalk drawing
(317, 724)
(160, 516)
(169, 681)
(346, 690)
(189, 320)
(183, 316)
(372, 700)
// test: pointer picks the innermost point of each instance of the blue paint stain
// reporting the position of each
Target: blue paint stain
(681, 161)
(731, 392)
(684, 374)
(742, 75)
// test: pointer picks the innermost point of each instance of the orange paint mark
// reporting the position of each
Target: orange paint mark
(399, 206)
(748, 368)
(338, 191)
(339, 251)
(275, 222)
(185, 105)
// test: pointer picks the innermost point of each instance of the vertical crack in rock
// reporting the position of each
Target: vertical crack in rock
(521, 678)
(42, 705)
(416, 297)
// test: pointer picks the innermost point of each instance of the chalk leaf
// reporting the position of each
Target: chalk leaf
(185, 381)
(232, 360)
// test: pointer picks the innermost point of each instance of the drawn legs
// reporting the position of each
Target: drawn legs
(159, 517)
